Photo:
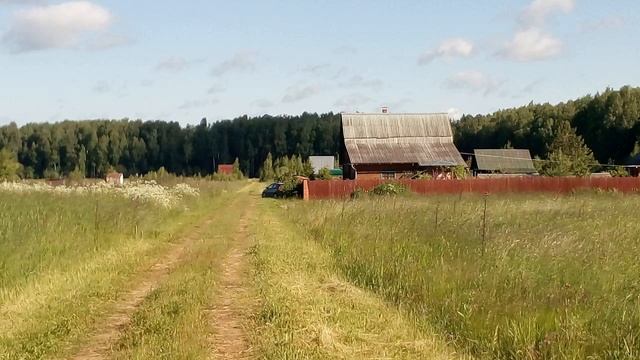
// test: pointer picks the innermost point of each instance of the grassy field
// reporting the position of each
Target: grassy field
(556, 277)
(66, 255)
(200, 269)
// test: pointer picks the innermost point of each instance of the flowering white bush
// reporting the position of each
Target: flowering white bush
(144, 191)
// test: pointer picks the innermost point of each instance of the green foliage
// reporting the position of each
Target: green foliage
(460, 172)
(9, 165)
(389, 189)
(137, 147)
(52, 174)
(608, 122)
(324, 174)
(288, 167)
(358, 193)
(618, 171)
(267, 173)
(237, 173)
(569, 155)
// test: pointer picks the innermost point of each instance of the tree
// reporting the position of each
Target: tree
(237, 173)
(267, 173)
(569, 155)
(9, 165)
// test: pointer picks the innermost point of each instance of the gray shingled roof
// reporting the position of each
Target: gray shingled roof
(423, 139)
(505, 160)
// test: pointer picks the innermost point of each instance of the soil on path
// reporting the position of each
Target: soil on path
(108, 331)
(229, 339)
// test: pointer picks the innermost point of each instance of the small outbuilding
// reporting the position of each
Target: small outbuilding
(226, 169)
(503, 162)
(392, 146)
(320, 162)
(115, 178)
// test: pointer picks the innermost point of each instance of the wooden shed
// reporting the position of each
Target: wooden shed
(392, 146)
(226, 169)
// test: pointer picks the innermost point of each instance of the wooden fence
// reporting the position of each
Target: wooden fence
(330, 189)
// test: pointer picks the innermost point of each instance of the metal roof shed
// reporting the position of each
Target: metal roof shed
(505, 161)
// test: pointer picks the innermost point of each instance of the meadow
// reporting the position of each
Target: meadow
(555, 276)
(69, 252)
(143, 272)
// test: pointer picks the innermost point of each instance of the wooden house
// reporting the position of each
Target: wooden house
(393, 146)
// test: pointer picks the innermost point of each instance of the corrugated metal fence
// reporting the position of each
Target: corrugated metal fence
(329, 189)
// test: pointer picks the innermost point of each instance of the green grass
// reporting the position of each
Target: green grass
(172, 322)
(558, 277)
(309, 311)
(64, 258)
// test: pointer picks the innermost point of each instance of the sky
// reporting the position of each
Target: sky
(185, 60)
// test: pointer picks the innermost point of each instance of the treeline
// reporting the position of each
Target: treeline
(608, 122)
(94, 147)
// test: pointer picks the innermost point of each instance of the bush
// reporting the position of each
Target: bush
(389, 189)
(324, 174)
(358, 193)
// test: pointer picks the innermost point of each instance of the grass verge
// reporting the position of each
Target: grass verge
(308, 311)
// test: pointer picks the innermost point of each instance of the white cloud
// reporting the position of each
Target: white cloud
(316, 69)
(297, 93)
(240, 62)
(216, 89)
(263, 103)
(345, 50)
(102, 87)
(605, 23)
(193, 104)
(539, 10)
(172, 64)
(454, 114)
(352, 101)
(449, 48)
(473, 81)
(531, 45)
(60, 26)
(359, 81)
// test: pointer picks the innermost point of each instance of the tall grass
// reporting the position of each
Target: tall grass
(557, 277)
(65, 256)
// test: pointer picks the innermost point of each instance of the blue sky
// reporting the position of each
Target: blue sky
(184, 60)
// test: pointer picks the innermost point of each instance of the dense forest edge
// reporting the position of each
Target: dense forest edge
(596, 129)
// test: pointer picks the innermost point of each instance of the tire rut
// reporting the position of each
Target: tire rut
(229, 338)
(109, 330)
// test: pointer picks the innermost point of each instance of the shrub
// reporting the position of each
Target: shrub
(324, 174)
(389, 189)
(358, 193)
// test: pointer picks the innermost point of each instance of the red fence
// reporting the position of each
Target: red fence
(343, 188)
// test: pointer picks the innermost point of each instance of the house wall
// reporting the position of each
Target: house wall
(398, 171)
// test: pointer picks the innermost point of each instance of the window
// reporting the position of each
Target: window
(388, 175)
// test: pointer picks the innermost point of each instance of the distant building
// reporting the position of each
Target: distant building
(391, 146)
(226, 169)
(115, 178)
(503, 162)
(319, 162)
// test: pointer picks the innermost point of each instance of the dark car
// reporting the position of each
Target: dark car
(273, 191)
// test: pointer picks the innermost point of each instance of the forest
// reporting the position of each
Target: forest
(606, 124)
